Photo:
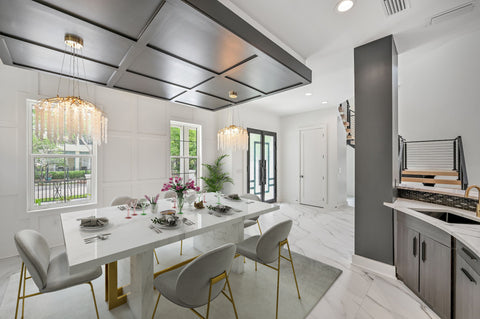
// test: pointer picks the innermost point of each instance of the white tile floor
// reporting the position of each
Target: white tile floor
(325, 235)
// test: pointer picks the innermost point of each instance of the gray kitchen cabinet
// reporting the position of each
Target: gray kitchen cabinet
(408, 242)
(467, 285)
(435, 275)
(423, 262)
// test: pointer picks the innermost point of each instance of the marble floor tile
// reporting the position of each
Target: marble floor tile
(326, 235)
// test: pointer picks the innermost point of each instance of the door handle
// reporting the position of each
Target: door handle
(301, 176)
(469, 254)
(260, 169)
(264, 172)
(424, 251)
(414, 246)
(467, 274)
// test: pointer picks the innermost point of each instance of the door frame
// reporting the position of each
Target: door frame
(300, 156)
(262, 134)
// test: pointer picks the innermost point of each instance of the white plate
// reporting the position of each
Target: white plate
(167, 227)
(93, 228)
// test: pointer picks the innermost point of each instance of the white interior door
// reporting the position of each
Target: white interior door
(313, 166)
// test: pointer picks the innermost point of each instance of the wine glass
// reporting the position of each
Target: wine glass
(128, 210)
(143, 204)
(218, 194)
(133, 205)
(191, 199)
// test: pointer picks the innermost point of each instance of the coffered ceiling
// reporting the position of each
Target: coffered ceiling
(185, 51)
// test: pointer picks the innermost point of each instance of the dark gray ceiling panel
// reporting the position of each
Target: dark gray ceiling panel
(164, 67)
(37, 57)
(186, 33)
(35, 22)
(201, 100)
(123, 16)
(265, 75)
(220, 87)
(141, 84)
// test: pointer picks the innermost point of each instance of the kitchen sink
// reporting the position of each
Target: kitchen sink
(449, 217)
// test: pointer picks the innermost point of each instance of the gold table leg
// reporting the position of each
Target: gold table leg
(113, 294)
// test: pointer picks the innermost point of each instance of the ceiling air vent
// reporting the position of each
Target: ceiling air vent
(452, 13)
(395, 6)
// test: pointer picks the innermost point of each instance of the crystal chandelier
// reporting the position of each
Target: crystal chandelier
(65, 118)
(232, 137)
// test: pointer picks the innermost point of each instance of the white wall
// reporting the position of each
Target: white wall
(439, 94)
(289, 167)
(134, 162)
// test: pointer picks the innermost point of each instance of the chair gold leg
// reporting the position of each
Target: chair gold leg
(156, 257)
(94, 300)
(259, 227)
(209, 296)
(244, 261)
(293, 269)
(181, 247)
(231, 296)
(278, 280)
(156, 305)
(255, 266)
(23, 298)
(19, 290)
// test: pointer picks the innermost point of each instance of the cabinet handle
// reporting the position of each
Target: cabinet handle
(424, 251)
(469, 254)
(465, 272)
(414, 246)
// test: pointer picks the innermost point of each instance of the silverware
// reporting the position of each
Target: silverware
(92, 239)
(187, 222)
(155, 229)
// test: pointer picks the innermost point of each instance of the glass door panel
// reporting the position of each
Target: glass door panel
(261, 165)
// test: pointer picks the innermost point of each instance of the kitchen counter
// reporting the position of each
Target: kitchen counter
(469, 235)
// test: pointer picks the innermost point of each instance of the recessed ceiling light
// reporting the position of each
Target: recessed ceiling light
(324, 102)
(232, 94)
(345, 5)
(308, 94)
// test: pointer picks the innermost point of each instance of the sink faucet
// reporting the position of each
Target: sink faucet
(478, 204)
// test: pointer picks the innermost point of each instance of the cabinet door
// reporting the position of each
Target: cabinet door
(467, 291)
(435, 275)
(408, 241)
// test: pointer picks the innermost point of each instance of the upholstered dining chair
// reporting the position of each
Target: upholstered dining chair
(254, 220)
(172, 194)
(48, 274)
(196, 283)
(120, 200)
(266, 249)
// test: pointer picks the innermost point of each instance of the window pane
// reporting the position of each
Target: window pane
(60, 180)
(174, 141)
(175, 166)
(192, 168)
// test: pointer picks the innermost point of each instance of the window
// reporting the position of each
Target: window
(185, 150)
(61, 171)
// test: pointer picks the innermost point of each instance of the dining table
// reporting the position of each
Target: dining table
(134, 238)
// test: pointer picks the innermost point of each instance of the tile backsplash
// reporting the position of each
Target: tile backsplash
(439, 199)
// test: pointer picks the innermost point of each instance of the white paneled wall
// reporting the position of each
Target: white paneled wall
(134, 162)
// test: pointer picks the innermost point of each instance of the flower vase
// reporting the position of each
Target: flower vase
(153, 208)
(180, 202)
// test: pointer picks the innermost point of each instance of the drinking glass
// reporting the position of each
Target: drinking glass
(133, 205)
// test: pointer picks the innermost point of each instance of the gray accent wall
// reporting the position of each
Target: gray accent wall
(376, 147)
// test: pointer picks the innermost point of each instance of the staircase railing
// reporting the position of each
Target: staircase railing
(433, 155)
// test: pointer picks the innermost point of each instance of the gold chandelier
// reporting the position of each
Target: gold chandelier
(71, 117)
(232, 137)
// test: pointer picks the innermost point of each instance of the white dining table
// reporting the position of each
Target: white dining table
(135, 239)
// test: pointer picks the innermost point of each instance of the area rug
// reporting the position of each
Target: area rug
(254, 293)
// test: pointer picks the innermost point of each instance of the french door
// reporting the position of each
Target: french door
(262, 164)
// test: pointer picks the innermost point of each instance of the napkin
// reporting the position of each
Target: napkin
(92, 221)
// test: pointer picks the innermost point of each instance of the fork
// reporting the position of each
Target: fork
(155, 229)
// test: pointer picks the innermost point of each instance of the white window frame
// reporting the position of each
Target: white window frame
(182, 126)
(31, 207)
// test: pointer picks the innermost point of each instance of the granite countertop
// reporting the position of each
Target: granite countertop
(469, 235)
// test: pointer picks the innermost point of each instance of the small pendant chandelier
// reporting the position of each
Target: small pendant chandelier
(232, 137)
(61, 119)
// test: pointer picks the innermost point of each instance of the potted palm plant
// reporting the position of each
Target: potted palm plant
(216, 177)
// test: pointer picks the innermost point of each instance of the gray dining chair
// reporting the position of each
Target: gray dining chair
(266, 249)
(196, 283)
(173, 194)
(48, 274)
(120, 200)
(254, 220)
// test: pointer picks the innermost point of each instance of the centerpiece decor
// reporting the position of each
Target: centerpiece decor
(178, 185)
(153, 202)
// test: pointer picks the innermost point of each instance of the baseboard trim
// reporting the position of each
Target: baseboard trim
(374, 266)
